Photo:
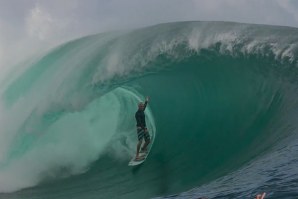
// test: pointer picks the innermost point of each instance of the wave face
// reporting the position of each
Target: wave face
(223, 95)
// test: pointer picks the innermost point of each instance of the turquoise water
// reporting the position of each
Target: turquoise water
(223, 106)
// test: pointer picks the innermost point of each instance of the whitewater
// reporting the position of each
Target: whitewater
(223, 109)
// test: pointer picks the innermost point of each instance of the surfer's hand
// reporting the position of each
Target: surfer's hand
(147, 98)
(261, 196)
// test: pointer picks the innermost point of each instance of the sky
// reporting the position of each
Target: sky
(29, 26)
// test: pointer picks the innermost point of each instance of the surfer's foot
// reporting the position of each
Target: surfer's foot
(138, 158)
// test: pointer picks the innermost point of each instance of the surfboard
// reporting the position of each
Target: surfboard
(144, 156)
(134, 162)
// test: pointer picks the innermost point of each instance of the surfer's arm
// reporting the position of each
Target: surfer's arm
(261, 196)
(146, 102)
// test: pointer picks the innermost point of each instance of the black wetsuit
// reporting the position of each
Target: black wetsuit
(140, 117)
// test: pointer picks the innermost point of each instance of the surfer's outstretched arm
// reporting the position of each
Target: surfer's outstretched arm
(146, 102)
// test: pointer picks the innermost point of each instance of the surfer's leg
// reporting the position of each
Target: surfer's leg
(140, 133)
(138, 149)
(147, 140)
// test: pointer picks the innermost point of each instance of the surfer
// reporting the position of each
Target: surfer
(142, 130)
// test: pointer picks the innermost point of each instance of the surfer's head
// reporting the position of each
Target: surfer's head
(141, 105)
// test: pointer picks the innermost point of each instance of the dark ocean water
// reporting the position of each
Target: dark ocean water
(223, 107)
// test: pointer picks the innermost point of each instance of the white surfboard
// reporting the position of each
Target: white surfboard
(144, 156)
(134, 162)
